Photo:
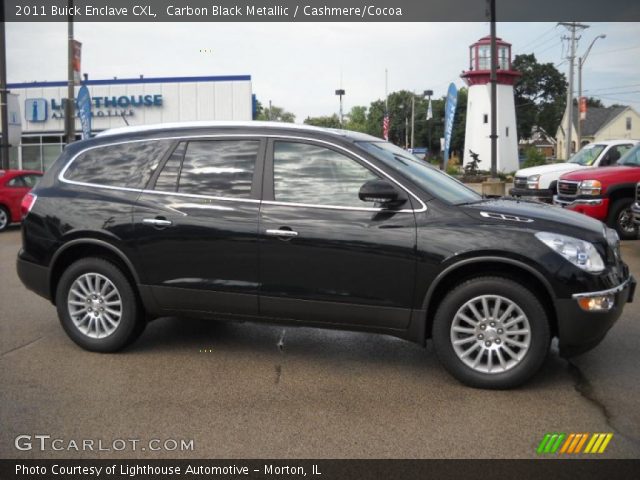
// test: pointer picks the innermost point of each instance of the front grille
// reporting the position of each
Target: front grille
(520, 182)
(566, 188)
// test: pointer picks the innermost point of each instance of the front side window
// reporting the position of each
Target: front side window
(631, 158)
(315, 175)
(127, 165)
(217, 168)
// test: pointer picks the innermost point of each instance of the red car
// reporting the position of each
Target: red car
(14, 185)
(606, 193)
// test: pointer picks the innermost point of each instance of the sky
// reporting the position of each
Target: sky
(299, 66)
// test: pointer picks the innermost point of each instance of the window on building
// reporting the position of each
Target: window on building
(484, 57)
(485, 118)
(221, 168)
(125, 165)
(628, 123)
(506, 132)
(314, 175)
(503, 58)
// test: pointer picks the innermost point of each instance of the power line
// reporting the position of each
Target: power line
(535, 40)
(616, 50)
(613, 87)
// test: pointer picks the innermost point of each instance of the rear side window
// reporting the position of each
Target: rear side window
(218, 168)
(124, 165)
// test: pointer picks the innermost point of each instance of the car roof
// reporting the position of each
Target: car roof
(13, 173)
(621, 141)
(133, 129)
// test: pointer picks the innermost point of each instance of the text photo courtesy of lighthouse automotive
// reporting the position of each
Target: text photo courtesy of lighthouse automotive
(318, 240)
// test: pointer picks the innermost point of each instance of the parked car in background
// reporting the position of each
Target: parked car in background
(14, 185)
(299, 225)
(607, 194)
(539, 183)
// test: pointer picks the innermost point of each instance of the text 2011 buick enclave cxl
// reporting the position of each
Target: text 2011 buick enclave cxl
(307, 226)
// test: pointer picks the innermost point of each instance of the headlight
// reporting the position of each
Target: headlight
(582, 254)
(589, 187)
(533, 181)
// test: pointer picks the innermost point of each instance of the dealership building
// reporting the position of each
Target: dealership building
(120, 102)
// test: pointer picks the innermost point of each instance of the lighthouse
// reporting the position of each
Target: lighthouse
(478, 128)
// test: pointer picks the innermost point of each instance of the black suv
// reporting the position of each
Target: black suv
(315, 227)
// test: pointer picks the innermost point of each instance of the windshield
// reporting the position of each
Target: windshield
(631, 158)
(431, 179)
(587, 155)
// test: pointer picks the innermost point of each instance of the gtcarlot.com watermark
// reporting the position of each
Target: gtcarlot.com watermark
(47, 443)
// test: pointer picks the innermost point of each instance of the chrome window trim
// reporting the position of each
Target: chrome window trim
(61, 177)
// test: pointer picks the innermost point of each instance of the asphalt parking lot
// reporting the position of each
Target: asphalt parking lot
(256, 391)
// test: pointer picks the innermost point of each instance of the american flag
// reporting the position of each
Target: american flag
(385, 126)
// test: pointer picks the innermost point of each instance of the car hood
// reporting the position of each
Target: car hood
(536, 216)
(613, 174)
(551, 168)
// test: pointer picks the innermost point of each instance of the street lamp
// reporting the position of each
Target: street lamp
(340, 92)
(581, 61)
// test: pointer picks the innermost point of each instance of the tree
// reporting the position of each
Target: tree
(327, 121)
(540, 95)
(276, 114)
(357, 119)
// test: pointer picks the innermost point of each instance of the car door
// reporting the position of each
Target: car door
(196, 226)
(325, 255)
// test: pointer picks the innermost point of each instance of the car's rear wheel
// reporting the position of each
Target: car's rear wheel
(5, 219)
(97, 306)
(621, 218)
(491, 332)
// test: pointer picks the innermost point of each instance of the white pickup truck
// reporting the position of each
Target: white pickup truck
(539, 183)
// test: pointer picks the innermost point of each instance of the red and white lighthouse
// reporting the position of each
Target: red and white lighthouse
(478, 128)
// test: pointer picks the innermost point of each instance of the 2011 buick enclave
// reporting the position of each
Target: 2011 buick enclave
(316, 227)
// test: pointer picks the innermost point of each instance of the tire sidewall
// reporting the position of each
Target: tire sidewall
(530, 305)
(127, 325)
(8, 216)
(616, 209)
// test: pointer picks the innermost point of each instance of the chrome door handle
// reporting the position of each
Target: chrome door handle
(157, 222)
(282, 233)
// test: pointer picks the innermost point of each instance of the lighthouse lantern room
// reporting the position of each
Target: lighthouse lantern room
(478, 127)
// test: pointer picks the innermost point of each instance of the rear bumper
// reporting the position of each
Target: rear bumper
(579, 330)
(34, 277)
(544, 195)
(593, 207)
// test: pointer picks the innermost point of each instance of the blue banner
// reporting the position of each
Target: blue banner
(84, 111)
(449, 112)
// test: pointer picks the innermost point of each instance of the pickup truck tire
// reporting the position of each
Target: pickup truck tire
(621, 219)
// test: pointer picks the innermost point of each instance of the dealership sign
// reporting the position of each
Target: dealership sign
(36, 109)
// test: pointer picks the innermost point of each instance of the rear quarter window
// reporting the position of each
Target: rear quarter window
(127, 165)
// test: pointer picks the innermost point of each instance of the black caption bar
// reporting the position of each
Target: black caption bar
(319, 10)
(317, 469)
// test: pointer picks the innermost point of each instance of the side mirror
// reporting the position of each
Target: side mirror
(380, 191)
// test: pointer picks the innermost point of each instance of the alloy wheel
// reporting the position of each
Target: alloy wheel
(95, 305)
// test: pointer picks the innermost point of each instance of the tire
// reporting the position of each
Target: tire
(621, 219)
(97, 322)
(516, 369)
(5, 218)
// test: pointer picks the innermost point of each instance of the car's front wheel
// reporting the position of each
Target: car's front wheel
(97, 306)
(491, 332)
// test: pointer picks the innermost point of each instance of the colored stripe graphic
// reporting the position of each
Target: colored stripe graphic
(573, 443)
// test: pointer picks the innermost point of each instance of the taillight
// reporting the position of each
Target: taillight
(27, 204)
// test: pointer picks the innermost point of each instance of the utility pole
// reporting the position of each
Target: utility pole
(581, 61)
(69, 111)
(572, 27)
(493, 79)
(340, 92)
(428, 93)
(413, 119)
(4, 164)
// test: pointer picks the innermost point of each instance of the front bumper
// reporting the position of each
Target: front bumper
(593, 207)
(635, 210)
(579, 330)
(544, 195)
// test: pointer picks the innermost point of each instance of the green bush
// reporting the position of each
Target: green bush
(534, 158)
(452, 170)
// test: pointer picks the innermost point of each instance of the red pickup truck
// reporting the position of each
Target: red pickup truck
(607, 193)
